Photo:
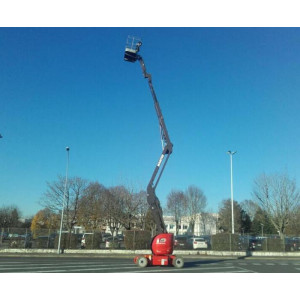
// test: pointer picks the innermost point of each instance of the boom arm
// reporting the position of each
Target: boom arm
(167, 150)
(131, 55)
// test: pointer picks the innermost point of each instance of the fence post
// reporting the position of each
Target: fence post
(25, 237)
(2, 233)
(93, 239)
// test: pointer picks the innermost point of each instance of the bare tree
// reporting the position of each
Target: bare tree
(9, 216)
(277, 194)
(142, 210)
(293, 228)
(250, 207)
(112, 211)
(150, 223)
(54, 196)
(130, 205)
(208, 222)
(195, 205)
(176, 205)
(91, 206)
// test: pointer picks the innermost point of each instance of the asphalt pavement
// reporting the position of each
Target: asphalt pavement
(108, 264)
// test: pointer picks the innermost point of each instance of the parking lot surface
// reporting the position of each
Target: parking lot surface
(63, 264)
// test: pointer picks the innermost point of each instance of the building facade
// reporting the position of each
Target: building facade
(204, 224)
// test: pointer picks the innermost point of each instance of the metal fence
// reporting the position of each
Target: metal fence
(48, 239)
(24, 238)
(236, 242)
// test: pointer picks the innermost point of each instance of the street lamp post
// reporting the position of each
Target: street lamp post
(64, 198)
(262, 229)
(232, 216)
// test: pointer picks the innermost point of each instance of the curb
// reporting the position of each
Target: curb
(137, 252)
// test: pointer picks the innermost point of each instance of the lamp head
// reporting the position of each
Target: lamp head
(230, 152)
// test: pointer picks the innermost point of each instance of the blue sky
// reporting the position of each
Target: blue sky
(219, 89)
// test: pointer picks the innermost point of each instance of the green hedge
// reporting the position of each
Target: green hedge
(137, 239)
(68, 241)
(16, 242)
(273, 245)
(44, 243)
(19, 242)
(92, 241)
(225, 242)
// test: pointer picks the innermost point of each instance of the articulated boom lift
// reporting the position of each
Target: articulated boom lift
(162, 243)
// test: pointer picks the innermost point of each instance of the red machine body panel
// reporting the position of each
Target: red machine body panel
(157, 260)
(162, 244)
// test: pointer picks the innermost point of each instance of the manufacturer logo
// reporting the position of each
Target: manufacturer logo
(161, 241)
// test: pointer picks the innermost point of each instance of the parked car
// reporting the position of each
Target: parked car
(244, 242)
(120, 237)
(112, 242)
(180, 242)
(105, 236)
(13, 235)
(207, 238)
(292, 244)
(296, 241)
(27, 236)
(4, 235)
(197, 243)
(79, 237)
(255, 243)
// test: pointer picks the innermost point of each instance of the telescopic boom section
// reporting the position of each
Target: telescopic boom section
(167, 150)
(131, 55)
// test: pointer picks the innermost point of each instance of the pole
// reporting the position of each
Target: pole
(64, 198)
(231, 184)
(232, 215)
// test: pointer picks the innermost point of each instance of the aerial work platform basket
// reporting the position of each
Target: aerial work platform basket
(132, 48)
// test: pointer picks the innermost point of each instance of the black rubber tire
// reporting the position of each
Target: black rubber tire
(142, 262)
(178, 262)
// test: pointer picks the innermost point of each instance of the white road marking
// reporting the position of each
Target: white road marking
(83, 270)
(30, 268)
(49, 271)
(179, 269)
(246, 270)
(239, 271)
